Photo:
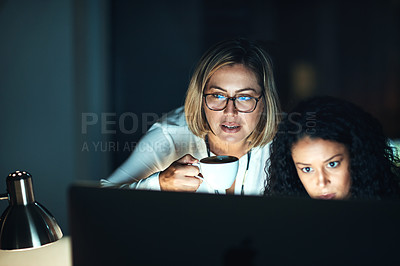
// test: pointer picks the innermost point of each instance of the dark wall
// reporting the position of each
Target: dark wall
(351, 48)
(155, 47)
(37, 129)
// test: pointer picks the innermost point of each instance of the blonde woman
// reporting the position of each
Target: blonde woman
(231, 108)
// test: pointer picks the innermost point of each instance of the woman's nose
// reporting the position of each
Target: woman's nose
(323, 179)
(230, 107)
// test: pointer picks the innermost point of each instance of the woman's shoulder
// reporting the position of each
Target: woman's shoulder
(173, 124)
(174, 118)
(264, 149)
(260, 153)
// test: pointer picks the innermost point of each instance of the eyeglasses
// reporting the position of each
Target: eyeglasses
(243, 104)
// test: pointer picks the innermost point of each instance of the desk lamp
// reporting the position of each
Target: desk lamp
(25, 223)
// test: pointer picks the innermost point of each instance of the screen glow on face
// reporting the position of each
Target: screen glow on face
(229, 126)
(323, 168)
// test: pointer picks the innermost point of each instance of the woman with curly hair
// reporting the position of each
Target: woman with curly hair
(329, 148)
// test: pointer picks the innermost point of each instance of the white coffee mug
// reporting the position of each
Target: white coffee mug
(218, 171)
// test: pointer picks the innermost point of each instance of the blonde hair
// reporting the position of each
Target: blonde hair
(252, 56)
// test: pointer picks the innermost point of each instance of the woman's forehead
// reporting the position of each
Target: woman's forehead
(234, 78)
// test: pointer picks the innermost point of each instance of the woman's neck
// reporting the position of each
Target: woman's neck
(225, 148)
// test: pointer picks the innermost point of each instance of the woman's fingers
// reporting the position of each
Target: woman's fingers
(179, 176)
(187, 159)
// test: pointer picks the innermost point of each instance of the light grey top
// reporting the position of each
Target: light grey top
(170, 139)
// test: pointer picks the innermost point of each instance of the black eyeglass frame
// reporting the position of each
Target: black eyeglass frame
(233, 99)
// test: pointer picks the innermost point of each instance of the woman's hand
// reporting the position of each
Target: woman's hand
(179, 176)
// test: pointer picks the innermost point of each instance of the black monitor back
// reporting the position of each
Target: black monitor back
(131, 227)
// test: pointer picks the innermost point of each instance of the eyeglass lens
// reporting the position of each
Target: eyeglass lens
(219, 102)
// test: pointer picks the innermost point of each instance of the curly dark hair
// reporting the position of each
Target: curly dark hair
(373, 161)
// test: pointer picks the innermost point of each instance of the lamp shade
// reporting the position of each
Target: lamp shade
(25, 223)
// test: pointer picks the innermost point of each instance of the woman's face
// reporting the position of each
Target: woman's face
(323, 168)
(230, 126)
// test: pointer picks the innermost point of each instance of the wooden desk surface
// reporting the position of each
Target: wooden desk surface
(56, 254)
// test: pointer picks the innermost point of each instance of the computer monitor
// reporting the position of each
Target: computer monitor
(132, 227)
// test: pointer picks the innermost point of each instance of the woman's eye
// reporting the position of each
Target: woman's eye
(306, 169)
(244, 98)
(219, 96)
(333, 164)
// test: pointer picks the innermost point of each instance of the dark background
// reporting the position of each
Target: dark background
(65, 63)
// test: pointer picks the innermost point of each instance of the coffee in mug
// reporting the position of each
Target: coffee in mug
(219, 159)
(219, 171)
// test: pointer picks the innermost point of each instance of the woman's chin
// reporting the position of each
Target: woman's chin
(232, 139)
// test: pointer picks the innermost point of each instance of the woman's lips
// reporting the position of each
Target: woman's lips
(230, 127)
(327, 196)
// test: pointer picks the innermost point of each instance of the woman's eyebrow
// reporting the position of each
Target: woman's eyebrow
(303, 163)
(238, 91)
(217, 88)
(247, 89)
(339, 154)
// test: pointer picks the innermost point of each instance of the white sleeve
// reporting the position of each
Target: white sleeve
(154, 152)
(150, 183)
